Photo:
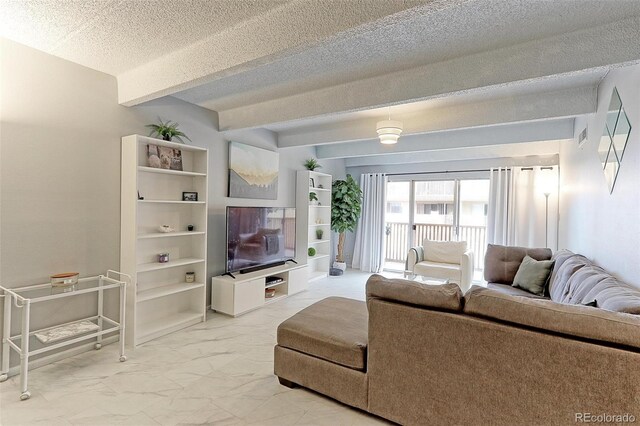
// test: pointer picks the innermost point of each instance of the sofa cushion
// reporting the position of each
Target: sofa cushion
(533, 275)
(445, 297)
(546, 315)
(444, 251)
(334, 329)
(514, 291)
(501, 262)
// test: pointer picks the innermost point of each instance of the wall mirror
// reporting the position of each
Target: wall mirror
(614, 139)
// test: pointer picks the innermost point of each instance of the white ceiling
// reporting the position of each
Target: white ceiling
(430, 34)
(114, 36)
(321, 71)
(402, 111)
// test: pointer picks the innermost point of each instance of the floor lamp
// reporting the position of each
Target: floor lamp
(547, 183)
(546, 219)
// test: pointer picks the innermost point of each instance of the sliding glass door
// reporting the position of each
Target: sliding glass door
(398, 219)
(435, 209)
(473, 203)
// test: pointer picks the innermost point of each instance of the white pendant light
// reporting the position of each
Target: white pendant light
(389, 130)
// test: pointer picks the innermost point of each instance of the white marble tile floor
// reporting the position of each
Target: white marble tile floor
(216, 373)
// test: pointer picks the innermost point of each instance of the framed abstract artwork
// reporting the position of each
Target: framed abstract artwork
(253, 172)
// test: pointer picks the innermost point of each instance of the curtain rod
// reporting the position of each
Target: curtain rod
(434, 173)
(466, 171)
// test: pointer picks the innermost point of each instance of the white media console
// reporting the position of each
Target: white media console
(246, 292)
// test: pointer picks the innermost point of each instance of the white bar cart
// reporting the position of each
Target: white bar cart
(68, 333)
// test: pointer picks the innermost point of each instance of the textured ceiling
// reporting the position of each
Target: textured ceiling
(248, 58)
(524, 88)
(431, 34)
(113, 36)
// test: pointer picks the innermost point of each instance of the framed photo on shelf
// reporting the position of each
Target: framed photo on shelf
(312, 183)
(189, 196)
(162, 157)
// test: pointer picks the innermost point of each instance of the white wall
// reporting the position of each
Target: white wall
(60, 170)
(599, 225)
(291, 160)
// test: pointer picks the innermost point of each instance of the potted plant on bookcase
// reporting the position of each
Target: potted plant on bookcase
(311, 164)
(346, 206)
(167, 131)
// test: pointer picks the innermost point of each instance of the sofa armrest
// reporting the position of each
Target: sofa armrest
(415, 255)
(442, 297)
(467, 266)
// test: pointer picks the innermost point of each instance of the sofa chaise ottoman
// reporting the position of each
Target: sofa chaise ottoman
(324, 348)
(423, 354)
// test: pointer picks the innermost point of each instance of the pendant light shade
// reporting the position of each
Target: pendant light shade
(389, 131)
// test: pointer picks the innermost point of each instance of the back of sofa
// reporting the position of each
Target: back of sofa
(502, 262)
(433, 366)
(576, 280)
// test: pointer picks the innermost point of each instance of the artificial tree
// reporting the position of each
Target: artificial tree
(346, 206)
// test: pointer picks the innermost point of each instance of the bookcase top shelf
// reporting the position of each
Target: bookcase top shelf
(168, 171)
(160, 142)
(171, 201)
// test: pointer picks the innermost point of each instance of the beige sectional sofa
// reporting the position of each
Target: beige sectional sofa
(420, 354)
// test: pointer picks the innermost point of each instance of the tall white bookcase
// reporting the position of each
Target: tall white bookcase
(160, 301)
(312, 217)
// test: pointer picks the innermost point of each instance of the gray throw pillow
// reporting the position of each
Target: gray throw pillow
(533, 275)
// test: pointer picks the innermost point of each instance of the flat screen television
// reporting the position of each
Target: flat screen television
(259, 237)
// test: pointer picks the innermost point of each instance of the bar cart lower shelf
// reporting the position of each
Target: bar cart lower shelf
(60, 335)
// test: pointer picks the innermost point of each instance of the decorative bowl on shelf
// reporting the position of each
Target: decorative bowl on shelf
(165, 228)
(64, 282)
(269, 292)
(65, 279)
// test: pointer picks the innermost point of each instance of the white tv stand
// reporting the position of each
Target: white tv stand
(246, 292)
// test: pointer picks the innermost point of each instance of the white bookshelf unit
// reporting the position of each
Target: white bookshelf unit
(246, 292)
(311, 218)
(160, 301)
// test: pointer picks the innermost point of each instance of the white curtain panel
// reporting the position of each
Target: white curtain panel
(368, 254)
(518, 214)
(532, 226)
(501, 207)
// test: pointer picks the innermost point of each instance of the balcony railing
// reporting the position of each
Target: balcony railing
(397, 235)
